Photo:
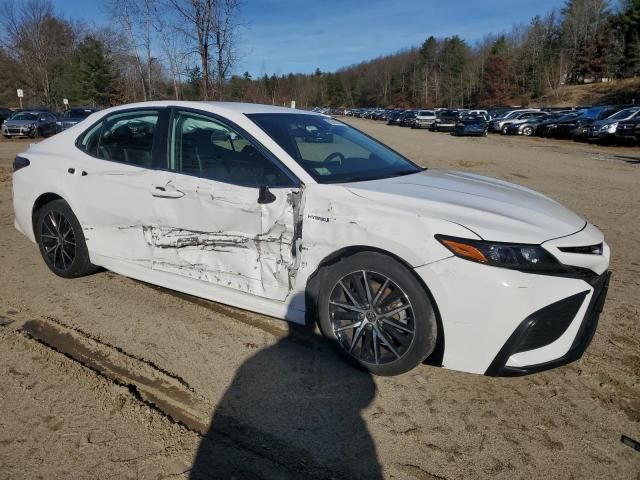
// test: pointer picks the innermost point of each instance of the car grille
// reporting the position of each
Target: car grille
(586, 250)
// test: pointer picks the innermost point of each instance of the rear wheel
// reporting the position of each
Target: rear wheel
(61, 241)
(528, 131)
(377, 313)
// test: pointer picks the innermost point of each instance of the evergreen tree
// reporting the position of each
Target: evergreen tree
(96, 73)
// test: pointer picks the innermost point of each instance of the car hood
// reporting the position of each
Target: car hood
(606, 121)
(492, 209)
(19, 123)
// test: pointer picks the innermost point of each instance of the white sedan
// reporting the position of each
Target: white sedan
(298, 216)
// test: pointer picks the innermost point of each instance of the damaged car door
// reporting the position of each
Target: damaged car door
(110, 181)
(229, 214)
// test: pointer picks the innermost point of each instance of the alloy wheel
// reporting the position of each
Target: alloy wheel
(371, 316)
(58, 240)
(527, 131)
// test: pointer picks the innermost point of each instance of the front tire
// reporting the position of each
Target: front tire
(377, 313)
(61, 241)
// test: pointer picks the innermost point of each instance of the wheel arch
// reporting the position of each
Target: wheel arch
(315, 280)
(40, 202)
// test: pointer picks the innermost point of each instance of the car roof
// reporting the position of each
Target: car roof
(214, 107)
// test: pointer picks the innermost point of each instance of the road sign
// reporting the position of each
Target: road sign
(65, 101)
(293, 104)
(20, 93)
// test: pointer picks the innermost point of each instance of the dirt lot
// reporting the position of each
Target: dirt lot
(106, 377)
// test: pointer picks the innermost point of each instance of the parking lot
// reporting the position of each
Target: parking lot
(105, 377)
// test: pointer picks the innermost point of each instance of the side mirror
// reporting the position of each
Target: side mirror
(265, 195)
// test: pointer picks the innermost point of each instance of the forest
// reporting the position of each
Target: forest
(188, 49)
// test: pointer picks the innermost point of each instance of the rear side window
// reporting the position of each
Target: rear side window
(126, 137)
(90, 140)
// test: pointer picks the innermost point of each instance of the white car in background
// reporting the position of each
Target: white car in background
(424, 119)
(298, 216)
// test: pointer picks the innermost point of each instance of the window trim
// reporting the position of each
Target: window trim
(268, 154)
(157, 142)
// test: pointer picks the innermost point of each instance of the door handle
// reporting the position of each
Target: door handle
(166, 192)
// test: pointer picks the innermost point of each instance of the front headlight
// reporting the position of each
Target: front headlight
(609, 126)
(531, 258)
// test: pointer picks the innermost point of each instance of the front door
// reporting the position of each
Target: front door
(230, 210)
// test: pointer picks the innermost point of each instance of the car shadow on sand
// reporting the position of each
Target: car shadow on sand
(298, 405)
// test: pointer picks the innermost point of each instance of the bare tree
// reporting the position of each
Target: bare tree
(225, 15)
(172, 49)
(197, 25)
(212, 27)
(135, 17)
(39, 40)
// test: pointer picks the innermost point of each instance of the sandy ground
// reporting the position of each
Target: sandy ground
(106, 377)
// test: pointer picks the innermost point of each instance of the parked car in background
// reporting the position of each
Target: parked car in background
(424, 119)
(408, 118)
(531, 125)
(482, 113)
(629, 130)
(73, 116)
(605, 129)
(30, 123)
(471, 125)
(577, 126)
(522, 118)
(497, 124)
(395, 117)
(494, 112)
(445, 121)
(4, 114)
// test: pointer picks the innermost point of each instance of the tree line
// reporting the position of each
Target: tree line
(187, 49)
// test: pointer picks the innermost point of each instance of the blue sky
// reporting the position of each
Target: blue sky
(282, 36)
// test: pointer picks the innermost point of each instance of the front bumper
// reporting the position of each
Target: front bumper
(17, 131)
(441, 126)
(498, 321)
(423, 123)
(547, 325)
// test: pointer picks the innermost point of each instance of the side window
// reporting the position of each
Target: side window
(127, 137)
(207, 148)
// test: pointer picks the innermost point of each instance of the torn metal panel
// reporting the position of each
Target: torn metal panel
(219, 233)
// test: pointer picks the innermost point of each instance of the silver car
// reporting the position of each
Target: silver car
(30, 123)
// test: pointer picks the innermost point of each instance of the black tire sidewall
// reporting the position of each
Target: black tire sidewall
(424, 340)
(81, 264)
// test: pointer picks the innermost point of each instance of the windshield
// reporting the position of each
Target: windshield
(627, 112)
(330, 151)
(24, 116)
(77, 113)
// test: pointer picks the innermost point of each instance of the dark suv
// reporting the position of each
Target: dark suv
(74, 116)
(446, 120)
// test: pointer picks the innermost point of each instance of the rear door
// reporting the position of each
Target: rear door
(112, 181)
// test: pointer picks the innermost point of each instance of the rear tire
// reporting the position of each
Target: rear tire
(361, 322)
(61, 241)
